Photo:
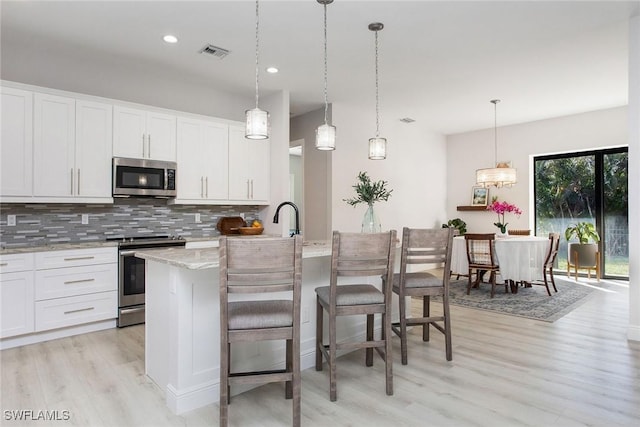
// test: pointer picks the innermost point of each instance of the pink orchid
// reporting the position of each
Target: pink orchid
(502, 208)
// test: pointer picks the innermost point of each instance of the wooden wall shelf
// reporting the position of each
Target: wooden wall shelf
(472, 208)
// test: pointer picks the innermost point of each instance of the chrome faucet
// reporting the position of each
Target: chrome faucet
(295, 208)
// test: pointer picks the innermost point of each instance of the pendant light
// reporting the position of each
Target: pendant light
(257, 126)
(325, 133)
(377, 145)
(503, 175)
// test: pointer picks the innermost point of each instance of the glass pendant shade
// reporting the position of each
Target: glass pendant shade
(377, 148)
(326, 137)
(257, 126)
(500, 176)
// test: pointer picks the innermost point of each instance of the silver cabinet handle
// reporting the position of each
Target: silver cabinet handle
(71, 181)
(248, 190)
(78, 184)
(202, 187)
(143, 139)
(73, 282)
(149, 145)
(206, 186)
(251, 189)
(79, 310)
(79, 258)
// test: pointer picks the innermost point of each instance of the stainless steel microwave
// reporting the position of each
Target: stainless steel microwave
(142, 177)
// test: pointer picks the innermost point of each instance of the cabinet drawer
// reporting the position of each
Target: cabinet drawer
(16, 298)
(75, 257)
(70, 281)
(16, 262)
(61, 312)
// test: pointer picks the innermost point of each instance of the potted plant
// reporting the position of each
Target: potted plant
(584, 252)
(369, 192)
(458, 224)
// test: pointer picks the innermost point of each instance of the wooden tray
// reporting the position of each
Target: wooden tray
(230, 224)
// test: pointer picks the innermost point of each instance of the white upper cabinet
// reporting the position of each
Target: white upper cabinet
(94, 137)
(248, 168)
(72, 150)
(54, 145)
(16, 142)
(144, 134)
(202, 161)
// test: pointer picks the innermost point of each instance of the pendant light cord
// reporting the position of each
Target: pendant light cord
(257, 49)
(377, 108)
(495, 129)
(326, 102)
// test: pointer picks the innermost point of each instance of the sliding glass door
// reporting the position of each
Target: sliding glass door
(586, 187)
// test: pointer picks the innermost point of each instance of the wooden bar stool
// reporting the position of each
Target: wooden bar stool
(357, 255)
(424, 249)
(260, 266)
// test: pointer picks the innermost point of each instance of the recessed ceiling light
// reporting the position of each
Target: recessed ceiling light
(271, 70)
(170, 39)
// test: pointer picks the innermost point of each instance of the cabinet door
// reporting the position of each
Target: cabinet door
(239, 180)
(215, 150)
(190, 176)
(53, 145)
(17, 301)
(248, 167)
(161, 137)
(129, 127)
(94, 139)
(16, 142)
(259, 159)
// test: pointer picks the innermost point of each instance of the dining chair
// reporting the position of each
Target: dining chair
(481, 257)
(254, 268)
(367, 257)
(519, 232)
(547, 268)
(424, 249)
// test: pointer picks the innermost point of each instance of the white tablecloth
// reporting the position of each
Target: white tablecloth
(520, 257)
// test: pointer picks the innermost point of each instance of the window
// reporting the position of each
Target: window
(586, 186)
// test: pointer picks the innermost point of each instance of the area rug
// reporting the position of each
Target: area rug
(532, 303)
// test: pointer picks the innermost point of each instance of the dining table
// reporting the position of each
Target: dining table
(521, 258)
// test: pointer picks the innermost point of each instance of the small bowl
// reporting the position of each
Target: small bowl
(250, 231)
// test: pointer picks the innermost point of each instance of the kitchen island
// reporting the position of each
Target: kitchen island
(182, 344)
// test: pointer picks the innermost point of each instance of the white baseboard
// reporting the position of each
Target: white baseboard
(56, 333)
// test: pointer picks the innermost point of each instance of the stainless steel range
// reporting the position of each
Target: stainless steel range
(131, 276)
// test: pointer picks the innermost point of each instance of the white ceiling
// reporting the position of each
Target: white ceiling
(440, 61)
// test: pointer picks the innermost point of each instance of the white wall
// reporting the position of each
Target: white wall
(116, 78)
(518, 143)
(415, 168)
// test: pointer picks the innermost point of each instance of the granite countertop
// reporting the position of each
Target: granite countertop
(56, 247)
(200, 259)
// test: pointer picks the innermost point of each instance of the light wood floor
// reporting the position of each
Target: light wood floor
(506, 371)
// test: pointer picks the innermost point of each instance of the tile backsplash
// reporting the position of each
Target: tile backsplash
(41, 224)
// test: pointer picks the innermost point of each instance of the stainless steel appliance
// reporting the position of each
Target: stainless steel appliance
(141, 177)
(131, 275)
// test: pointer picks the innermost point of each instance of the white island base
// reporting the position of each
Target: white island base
(182, 345)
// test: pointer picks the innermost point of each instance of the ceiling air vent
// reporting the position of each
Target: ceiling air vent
(407, 120)
(215, 51)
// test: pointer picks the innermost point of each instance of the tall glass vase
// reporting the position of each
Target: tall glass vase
(370, 222)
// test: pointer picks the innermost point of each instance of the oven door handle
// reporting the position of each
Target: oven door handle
(127, 253)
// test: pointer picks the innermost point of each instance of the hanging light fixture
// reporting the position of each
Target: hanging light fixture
(257, 126)
(325, 133)
(503, 175)
(377, 145)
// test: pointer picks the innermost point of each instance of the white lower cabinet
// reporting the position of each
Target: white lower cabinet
(68, 311)
(75, 287)
(49, 290)
(17, 295)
